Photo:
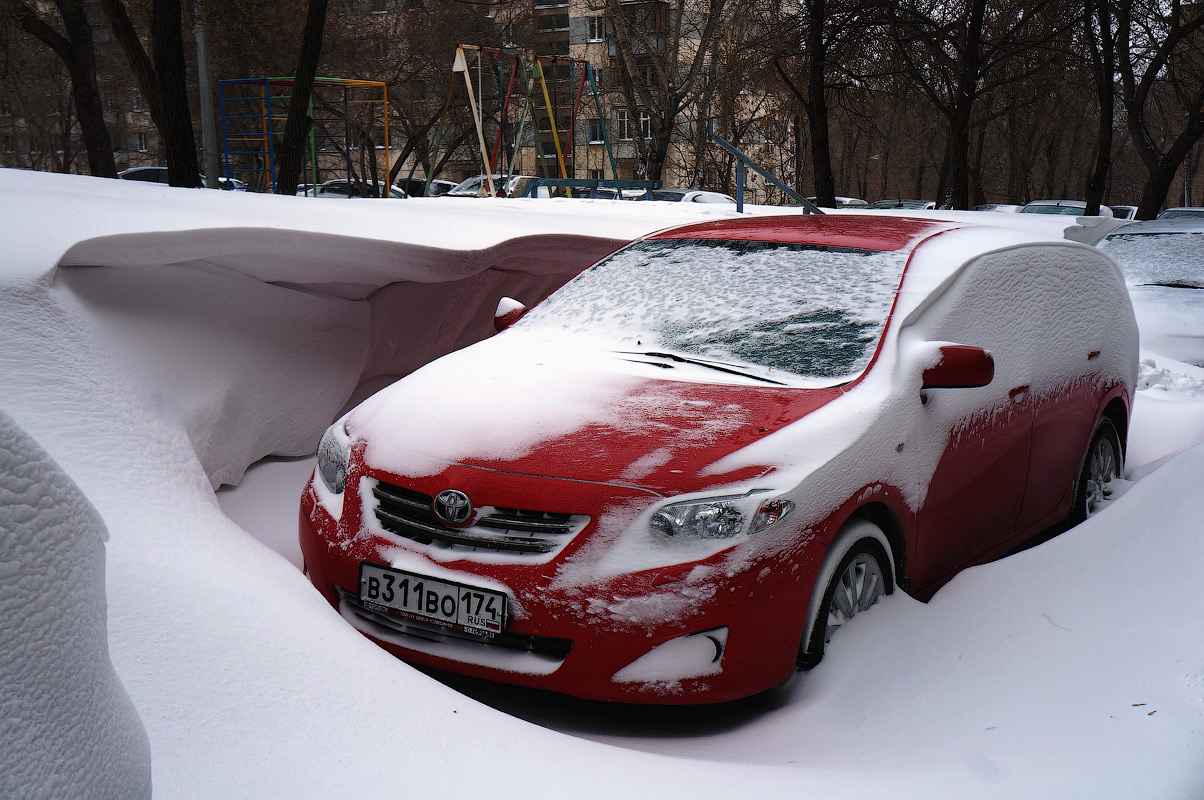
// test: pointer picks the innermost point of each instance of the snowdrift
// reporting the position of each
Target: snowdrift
(158, 341)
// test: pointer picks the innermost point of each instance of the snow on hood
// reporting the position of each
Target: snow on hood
(521, 403)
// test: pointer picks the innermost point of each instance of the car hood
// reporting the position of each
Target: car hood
(602, 419)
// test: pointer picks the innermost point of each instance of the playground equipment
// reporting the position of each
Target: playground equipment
(254, 111)
(527, 72)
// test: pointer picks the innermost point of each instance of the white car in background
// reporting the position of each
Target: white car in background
(690, 196)
(1163, 264)
(1076, 208)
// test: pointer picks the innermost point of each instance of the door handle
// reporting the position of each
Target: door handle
(1019, 393)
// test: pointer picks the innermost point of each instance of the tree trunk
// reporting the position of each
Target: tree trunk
(78, 54)
(817, 108)
(162, 82)
(292, 148)
(1104, 58)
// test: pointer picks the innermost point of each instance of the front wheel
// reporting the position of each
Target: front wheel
(862, 576)
(1101, 468)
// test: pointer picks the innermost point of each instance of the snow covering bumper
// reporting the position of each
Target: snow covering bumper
(727, 640)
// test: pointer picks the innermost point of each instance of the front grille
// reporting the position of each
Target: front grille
(408, 513)
(540, 645)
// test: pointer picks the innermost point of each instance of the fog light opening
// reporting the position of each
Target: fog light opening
(694, 655)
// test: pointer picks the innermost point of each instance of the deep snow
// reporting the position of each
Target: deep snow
(203, 343)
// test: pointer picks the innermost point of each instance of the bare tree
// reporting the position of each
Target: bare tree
(74, 46)
(1099, 35)
(1162, 80)
(959, 51)
(661, 50)
(162, 80)
(296, 127)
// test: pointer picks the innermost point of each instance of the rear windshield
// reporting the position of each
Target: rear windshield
(814, 312)
(1159, 259)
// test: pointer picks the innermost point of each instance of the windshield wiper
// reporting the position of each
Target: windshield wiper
(1175, 285)
(700, 363)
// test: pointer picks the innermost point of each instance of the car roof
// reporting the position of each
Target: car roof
(844, 230)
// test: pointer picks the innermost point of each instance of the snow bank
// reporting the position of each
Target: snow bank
(70, 730)
(250, 686)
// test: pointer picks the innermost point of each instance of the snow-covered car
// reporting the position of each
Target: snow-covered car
(1002, 207)
(842, 202)
(1076, 208)
(690, 196)
(909, 205)
(503, 186)
(1163, 264)
(1123, 212)
(677, 477)
(1182, 211)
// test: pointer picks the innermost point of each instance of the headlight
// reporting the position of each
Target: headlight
(333, 452)
(719, 517)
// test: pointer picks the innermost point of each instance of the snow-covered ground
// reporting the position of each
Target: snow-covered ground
(158, 342)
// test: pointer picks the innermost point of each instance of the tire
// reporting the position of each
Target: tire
(1103, 464)
(862, 576)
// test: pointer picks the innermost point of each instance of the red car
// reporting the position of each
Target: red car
(674, 479)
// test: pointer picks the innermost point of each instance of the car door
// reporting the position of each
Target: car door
(975, 494)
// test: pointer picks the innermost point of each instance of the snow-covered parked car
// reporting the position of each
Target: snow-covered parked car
(674, 479)
(1163, 264)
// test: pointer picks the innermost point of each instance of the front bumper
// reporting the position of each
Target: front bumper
(660, 636)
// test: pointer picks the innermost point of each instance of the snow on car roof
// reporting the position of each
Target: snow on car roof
(862, 232)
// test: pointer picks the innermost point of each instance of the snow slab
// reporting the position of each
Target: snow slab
(69, 728)
(1035, 676)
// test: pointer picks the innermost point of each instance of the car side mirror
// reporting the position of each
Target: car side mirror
(961, 366)
(509, 311)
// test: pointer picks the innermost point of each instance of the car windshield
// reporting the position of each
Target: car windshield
(1159, 259)
(815, 312)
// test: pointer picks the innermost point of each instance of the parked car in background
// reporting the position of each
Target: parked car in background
(843, 202)
(690, 196)
(675, 479)
(1006, 207)
(477, 186)
(1180, 212)
(159, 175)
(354, 190)
(1163, 264)
(1124, 212)
(1068, 207)
(416, 187)
(912, 205)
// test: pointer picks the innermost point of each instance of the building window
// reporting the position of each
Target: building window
(6, 108)
(380, 6)
(625, 132)
(596, 175)
(597, 28)
(7, 144)
(645, 125)
(552, 22)
(142, 148)
(136, 103)
(595, 131)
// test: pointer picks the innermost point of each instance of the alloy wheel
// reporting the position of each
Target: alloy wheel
(860, 587)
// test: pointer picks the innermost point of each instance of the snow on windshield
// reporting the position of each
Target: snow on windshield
(810, 310)
(1166, 259)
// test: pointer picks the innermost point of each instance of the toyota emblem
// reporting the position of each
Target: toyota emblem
(452, 507)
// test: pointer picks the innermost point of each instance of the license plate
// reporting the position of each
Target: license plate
(467, 608)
